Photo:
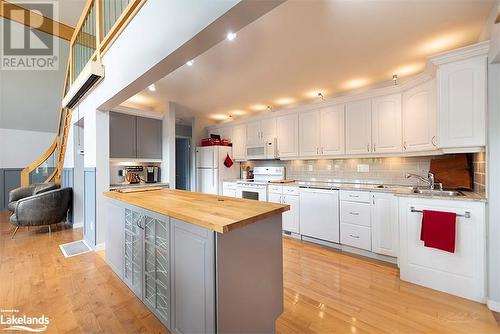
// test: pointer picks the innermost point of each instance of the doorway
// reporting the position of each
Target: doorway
(78, 186)
(182, 163)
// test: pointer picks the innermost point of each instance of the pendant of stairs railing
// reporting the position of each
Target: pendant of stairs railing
(101, 23)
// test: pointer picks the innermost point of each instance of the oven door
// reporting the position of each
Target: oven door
(255, 193)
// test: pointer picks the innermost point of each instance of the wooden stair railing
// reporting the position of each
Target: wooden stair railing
(102, 21)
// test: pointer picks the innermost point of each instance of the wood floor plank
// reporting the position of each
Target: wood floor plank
(325, 291)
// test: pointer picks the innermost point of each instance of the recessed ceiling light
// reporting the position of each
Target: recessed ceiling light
(238, 112)
(313, 93)
(258, 107)
(190, 62)
(409, 69)
(220, 117)
(355, 83)
(152, 88)
(231, 35)
(284, 100)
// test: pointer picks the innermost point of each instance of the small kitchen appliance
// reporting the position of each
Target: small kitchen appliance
(256, 189)
(152, 174)
(132, 175)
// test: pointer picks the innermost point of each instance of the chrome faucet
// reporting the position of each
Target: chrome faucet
(430, 180)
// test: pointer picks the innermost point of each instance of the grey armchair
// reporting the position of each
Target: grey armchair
(47, 208)
(22, 192)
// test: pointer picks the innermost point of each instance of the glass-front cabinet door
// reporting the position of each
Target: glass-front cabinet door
(133, 251)
(156, 266)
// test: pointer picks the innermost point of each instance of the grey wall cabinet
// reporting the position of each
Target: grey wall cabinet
(122, 135)
(149, 138)
(134, 137)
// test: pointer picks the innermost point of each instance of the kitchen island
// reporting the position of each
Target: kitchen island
(201, 263)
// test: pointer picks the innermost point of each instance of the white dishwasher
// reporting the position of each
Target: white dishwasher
(319, 214)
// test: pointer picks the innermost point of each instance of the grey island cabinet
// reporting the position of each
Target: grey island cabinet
(201, 263)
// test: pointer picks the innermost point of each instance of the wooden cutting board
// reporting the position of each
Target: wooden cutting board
(138, 190)
(283, 181)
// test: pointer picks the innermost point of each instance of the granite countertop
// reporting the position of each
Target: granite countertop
(398, 190)
(218, 213)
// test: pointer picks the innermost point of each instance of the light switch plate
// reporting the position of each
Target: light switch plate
(363, 168)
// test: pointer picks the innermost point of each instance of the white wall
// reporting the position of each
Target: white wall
(168, 146)
(31, 100)
(19, 148)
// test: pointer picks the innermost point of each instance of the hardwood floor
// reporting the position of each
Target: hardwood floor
(325, 292)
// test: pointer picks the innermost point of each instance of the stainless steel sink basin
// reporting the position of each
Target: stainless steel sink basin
(437, 192)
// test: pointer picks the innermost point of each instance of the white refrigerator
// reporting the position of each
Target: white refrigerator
(210, 168)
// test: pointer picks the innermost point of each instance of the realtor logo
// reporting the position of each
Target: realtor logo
(11, 321)
(24, 45)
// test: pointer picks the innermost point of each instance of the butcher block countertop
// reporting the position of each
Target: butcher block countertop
(218, 213)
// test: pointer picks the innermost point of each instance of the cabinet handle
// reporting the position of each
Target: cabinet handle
(354, 213)
(354, 236)
(317, 150)
(354, 196)
(433, 141)
(373, 199)
(322, 150)
(368, 147)
(404, 145)
(374, 148)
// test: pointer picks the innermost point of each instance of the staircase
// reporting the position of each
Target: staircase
(101, 23)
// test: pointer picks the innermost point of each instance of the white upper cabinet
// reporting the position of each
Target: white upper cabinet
(239, 141)
(358, 127)
(259, 132)
(287, 131)
(322, 131)
(462, 103)
(268, 129)
(332, 130)
(309, 134)
(253, 133)
(386, 124)
(419, 118)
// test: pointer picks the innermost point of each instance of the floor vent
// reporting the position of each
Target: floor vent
(75, 248)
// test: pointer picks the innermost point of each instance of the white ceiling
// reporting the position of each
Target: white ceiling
(303, 47)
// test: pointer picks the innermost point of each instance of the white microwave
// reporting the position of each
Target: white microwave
(266, 150)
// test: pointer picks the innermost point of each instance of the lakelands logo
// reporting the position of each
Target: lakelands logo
(24, 46)
(26, 323)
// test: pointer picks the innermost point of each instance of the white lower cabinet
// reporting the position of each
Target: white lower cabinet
(461, 273)
(287, 195)
(229, 189)
(384, 218)
(319, 214)
(355, 221)
(355, 236)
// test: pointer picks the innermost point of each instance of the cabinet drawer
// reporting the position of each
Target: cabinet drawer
(355, 196)
(355, 213)
(356, 236)
(290, 190)
(275, 189)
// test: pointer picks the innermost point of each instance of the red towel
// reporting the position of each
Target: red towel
(228, 162)
(439, 230)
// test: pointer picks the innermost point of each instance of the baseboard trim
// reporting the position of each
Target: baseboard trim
(100, 247)
(493, 305)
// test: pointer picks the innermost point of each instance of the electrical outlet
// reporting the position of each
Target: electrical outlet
(363, 168)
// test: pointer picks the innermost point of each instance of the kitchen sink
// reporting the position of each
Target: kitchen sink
(437, 192)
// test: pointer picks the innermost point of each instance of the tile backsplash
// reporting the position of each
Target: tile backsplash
(479, 167)
(116, 166)
(391, 170)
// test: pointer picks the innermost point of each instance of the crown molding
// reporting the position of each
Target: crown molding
(474, 50)
(48, 26)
